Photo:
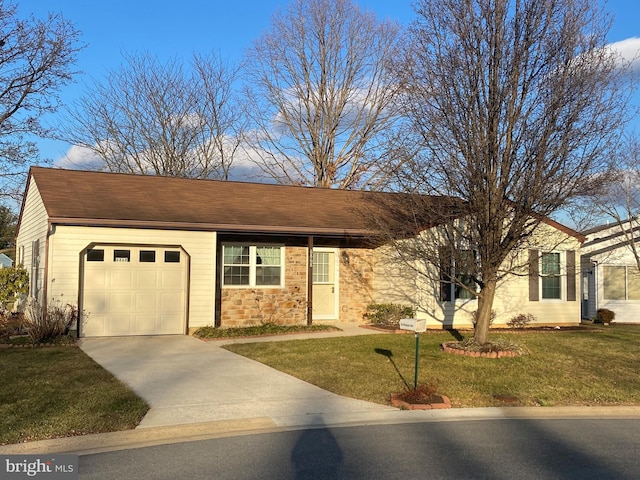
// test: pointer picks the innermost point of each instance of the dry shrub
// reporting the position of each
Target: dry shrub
(11, 324)
(47, 324)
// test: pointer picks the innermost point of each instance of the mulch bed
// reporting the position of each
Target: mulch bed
(434, 402)
(450, 347)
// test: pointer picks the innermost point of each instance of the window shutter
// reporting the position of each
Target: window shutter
(444, 255)
(534, 274)
(571, 276)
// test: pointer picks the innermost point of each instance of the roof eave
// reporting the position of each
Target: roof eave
(212, 227)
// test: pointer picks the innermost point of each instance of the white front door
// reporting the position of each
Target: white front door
(325, 284)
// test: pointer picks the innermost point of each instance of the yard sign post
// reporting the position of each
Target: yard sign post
(417, 326)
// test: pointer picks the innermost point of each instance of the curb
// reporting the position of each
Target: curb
(146, 437)
(141, 437)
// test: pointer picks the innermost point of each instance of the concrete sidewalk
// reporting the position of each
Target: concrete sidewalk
(186, 380)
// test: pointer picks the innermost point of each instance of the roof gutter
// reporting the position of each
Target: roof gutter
(214, 227)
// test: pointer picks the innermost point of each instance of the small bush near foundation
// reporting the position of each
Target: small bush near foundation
(474, 317)
(604, 315)
(50, 323)
(14, 282)
(521, 320)
(11, 324)
(388, 313)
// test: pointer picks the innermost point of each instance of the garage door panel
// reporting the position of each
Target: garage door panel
(146, 302)
(96, 277)
(146, 324)
(171, 300)
(148, 278)
(94, 325)
(168, 325)
(121, 301)
(134, 298)
(121, 276)
(171, 279)
(121, 324)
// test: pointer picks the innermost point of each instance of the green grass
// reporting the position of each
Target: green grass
(595, 367)
(260, 330)
(59, 391)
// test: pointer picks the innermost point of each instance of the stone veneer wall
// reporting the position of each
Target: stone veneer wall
(253, 306)
(243, 307)
(356, 283)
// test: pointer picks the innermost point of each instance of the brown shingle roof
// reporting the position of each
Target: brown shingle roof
(97, 198)
(114, 199)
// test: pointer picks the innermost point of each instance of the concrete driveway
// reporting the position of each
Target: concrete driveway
(186, 380)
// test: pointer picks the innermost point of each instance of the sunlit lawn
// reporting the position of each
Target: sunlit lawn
(594, 367)
(60, 391)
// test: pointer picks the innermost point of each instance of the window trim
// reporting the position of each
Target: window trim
(253, 264)
(562, 261)
(447, 278)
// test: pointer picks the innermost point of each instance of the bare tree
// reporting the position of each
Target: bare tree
(619, 200)
(516, 105)
(321, 96)
(36, 57)
(156, 118)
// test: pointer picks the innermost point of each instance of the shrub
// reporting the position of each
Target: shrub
(14, 282)
(388, 313)
(11, 324)
(521, 320)
(604, 315)
(474, 317)
(47, 324)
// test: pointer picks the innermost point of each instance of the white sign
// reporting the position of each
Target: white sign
(413, 324)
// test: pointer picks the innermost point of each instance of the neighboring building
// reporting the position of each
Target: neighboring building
(610, 275)
(5, 261)
(145, 255)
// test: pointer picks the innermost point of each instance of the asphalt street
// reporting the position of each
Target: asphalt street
(510, 449)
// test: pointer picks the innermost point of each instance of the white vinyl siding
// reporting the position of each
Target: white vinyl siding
(397, 282)
(67, 243)
(33, 232)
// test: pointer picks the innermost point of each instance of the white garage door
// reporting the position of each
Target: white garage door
(134, 290)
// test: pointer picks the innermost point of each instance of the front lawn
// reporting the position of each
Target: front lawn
(593, 367)
(59, 391)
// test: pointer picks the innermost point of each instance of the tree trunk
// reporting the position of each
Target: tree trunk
(485, 304)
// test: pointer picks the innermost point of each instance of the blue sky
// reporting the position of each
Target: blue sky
(179, 28)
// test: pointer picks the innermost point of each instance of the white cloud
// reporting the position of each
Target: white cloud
(628, 51)
(79, 158)
(243, 167)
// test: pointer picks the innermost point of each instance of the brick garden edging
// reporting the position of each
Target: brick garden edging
(444, 403)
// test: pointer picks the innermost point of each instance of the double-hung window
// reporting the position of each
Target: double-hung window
(252, 265)
(551, 277)
(464, 268)
(457, 279)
